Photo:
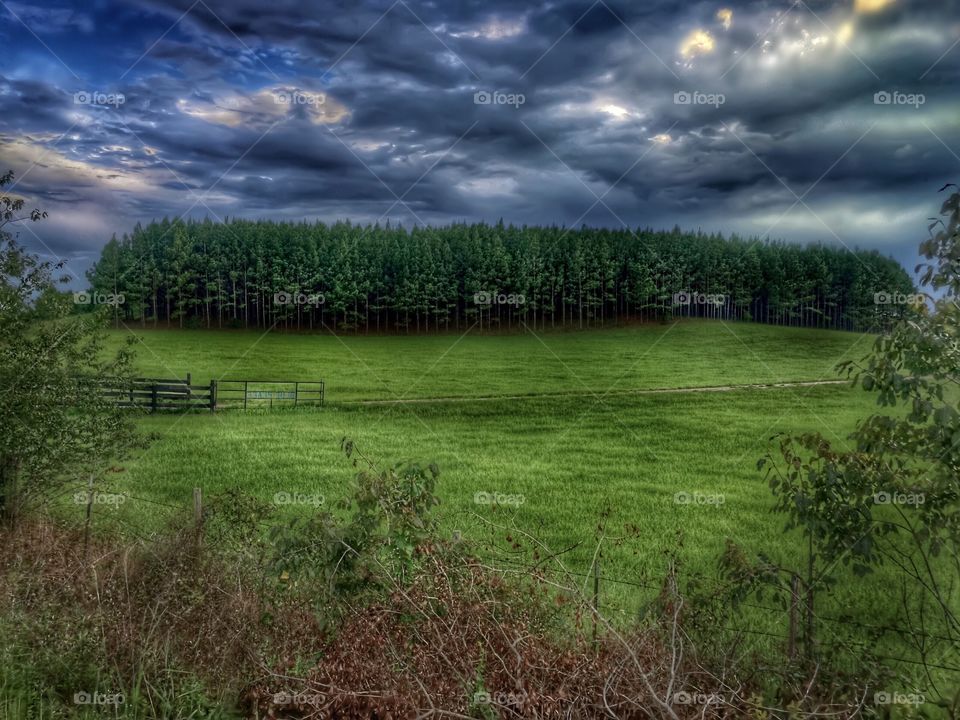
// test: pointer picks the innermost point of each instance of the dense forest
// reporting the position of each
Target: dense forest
(243, 273)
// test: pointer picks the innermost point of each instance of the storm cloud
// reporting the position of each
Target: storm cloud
(805, 121)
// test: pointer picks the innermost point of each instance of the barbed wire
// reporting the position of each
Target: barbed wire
(152, 502)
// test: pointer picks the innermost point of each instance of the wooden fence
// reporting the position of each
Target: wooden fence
(155, 394)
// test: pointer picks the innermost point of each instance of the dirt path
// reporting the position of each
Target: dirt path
(588, 394)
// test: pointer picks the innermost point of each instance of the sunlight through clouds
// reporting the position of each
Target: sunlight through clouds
(495, 29)
(725, 16)
(698, 42)
(265, 106)
(871, 6)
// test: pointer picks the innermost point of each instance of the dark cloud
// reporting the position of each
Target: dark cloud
(385, 107)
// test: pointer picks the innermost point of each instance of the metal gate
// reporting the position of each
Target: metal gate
(248, 394)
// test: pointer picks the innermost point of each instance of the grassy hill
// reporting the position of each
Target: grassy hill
(576, 446)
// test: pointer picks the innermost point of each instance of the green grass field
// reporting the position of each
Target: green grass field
(580, 443)
(686, 354)
(548, 418)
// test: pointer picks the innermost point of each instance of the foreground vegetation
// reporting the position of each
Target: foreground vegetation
(179, 628)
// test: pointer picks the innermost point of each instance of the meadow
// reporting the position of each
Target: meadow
(472, 364)
(560, 424)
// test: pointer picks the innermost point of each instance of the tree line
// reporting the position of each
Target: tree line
(244, 273)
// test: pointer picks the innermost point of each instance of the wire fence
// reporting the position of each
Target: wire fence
(123, 525)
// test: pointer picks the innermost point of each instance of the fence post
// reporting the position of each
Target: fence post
(794, 598)
(809, 645)
(86, 529)
(188, 378)
(153, 398)
(213, 396)
(198, 513)
(596, 596)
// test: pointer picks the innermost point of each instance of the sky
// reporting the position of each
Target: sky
(814, 120)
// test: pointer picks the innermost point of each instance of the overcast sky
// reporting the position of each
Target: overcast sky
(761, 118)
